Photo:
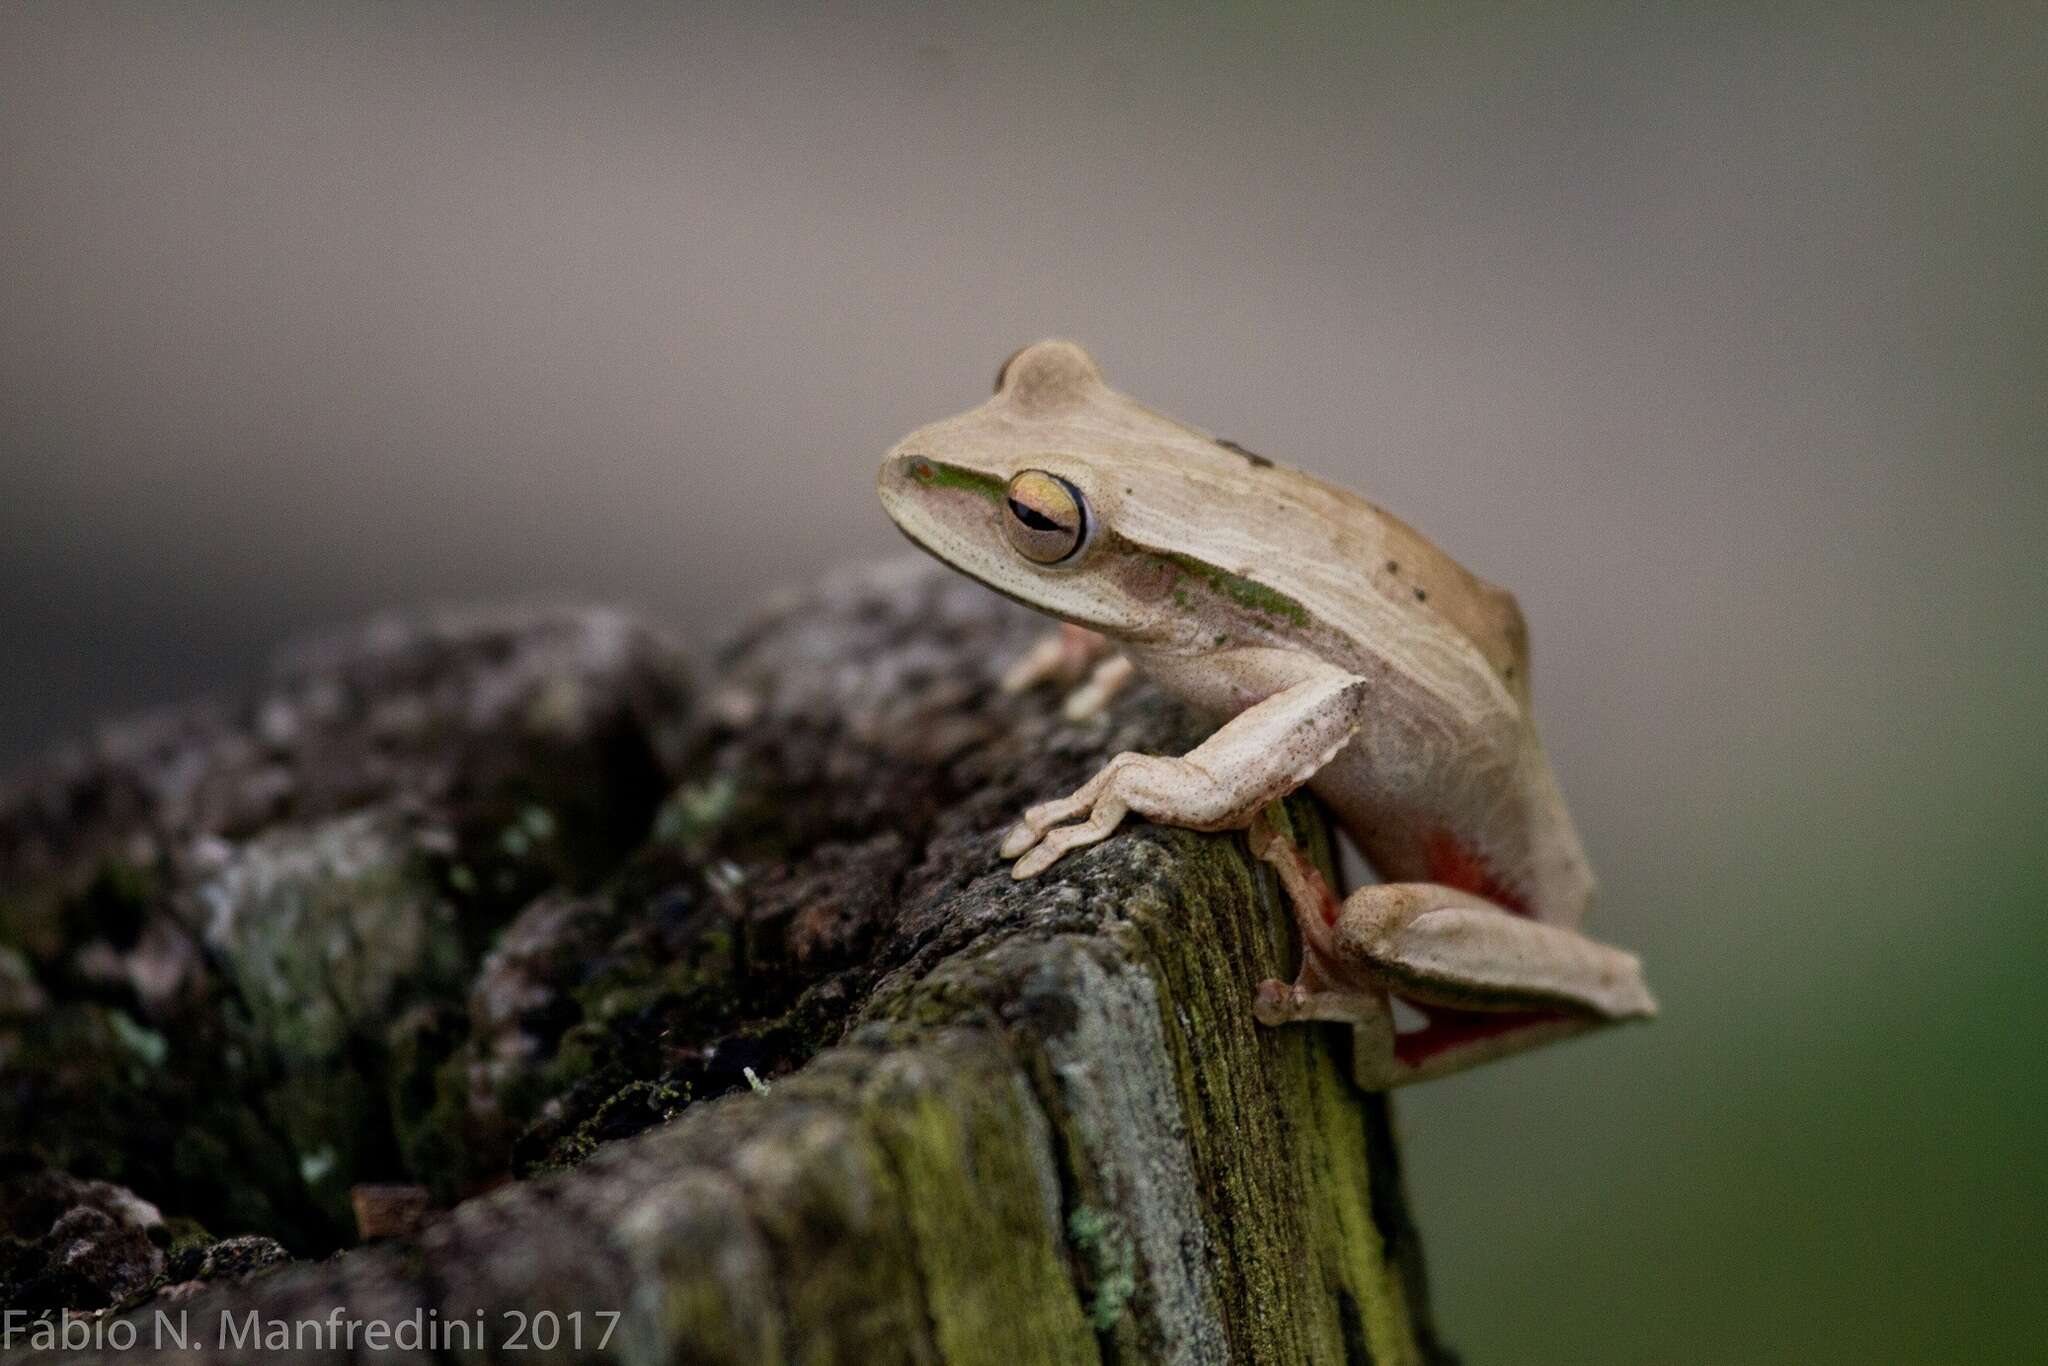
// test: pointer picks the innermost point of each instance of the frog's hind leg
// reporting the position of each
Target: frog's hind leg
(1486, 982)
(1314, 993)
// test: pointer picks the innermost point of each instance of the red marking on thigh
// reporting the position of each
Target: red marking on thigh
(1454, 863)
(1448, 1029)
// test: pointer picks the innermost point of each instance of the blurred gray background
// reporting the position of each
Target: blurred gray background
(1715, 332)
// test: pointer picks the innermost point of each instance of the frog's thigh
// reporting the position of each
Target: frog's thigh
(1265, 752)
(1447, 947)
(1490, 983)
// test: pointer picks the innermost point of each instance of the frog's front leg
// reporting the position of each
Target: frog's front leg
(1062, 655)
(1265, 752)
(1487, 982)
(1109, 678)
(1065, 656)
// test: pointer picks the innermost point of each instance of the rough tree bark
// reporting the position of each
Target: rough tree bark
(513, 908)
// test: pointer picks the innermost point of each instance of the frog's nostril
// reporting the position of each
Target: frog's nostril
(905, 478)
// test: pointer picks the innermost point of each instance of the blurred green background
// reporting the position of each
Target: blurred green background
(1717, 332)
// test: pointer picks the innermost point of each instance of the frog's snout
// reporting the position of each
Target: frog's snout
(896, 482)
(906, 484)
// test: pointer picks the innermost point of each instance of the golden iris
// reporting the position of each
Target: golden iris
(1044, 517)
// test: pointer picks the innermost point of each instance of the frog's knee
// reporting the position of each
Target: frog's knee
(1373, 918)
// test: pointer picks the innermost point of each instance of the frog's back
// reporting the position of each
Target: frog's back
(1356, 568)
(1445, 781)
(1484, 613)
(1361, 568)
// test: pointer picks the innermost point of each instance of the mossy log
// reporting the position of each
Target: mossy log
(695, 997)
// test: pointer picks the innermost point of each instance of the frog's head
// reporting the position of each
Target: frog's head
(1024, 493)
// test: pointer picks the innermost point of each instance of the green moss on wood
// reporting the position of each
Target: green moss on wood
(828, 1203)
(1043, 1124)
(981, 1197)
(1276, 1144)
(1278, 1132)
(1105, 1253)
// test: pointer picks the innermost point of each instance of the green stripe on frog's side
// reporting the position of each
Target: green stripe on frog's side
(937, 474)
(1249, 593)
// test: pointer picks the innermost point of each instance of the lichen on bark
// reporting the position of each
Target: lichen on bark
(695, 994)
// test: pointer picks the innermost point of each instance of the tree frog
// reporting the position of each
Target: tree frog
(1338, 649)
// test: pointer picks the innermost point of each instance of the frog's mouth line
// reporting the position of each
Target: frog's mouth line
(967, 571)
(956, 548)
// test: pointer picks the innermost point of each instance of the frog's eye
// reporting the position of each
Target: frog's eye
(1044, 517)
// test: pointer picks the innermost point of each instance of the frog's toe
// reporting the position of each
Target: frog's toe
(1275, 1003)
(1092, 698)
(1094, 799)
(1063, 655)
(1032, 826)
(1032, 864)
(1044, 661)
(1100, 825)
(1021, 837)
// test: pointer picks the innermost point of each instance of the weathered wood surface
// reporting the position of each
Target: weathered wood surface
(420, 911)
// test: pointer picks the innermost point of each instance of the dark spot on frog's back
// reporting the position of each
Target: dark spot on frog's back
(1253, 458)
